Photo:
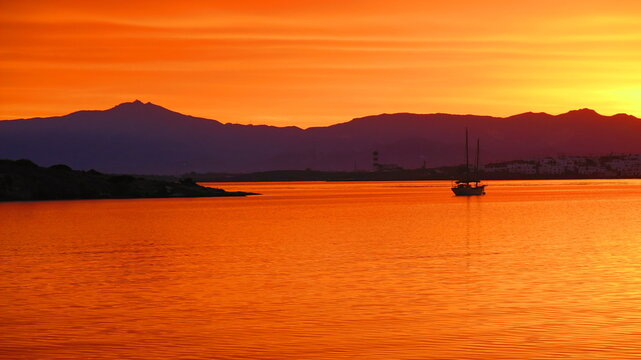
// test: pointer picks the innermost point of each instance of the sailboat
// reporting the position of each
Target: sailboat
(469, 184)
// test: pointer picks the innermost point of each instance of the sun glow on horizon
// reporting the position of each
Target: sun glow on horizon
(310, 64)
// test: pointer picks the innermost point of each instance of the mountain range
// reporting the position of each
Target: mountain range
(144, 138)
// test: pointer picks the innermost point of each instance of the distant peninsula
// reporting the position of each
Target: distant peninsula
(23, 180)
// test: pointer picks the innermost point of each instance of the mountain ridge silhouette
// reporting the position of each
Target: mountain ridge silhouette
(140, 138)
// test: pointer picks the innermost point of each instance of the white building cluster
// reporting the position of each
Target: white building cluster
(630, 165)
(627, 165)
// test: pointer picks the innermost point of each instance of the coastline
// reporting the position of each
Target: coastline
(22, 180)
(402, 175)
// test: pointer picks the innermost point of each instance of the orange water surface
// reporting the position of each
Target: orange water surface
(328, 270)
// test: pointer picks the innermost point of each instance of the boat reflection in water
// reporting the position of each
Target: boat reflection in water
(469, 184)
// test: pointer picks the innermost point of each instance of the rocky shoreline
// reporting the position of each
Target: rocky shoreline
(22, 180)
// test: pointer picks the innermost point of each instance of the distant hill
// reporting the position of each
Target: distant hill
(143, 138)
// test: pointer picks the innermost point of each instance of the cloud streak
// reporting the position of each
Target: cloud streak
(314, 63)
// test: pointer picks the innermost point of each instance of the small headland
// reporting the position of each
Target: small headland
(22, 180)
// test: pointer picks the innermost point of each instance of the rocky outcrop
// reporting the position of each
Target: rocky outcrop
(24, 180)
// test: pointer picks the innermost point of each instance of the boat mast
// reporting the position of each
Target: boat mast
(467, 157)
(476, 169)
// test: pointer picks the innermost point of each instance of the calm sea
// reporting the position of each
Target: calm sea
(314, 270)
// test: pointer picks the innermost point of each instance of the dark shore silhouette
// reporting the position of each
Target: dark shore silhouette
(23, 180)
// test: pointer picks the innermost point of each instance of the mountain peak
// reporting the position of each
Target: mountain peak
(582, 112)
(137, 105)
(530, 115)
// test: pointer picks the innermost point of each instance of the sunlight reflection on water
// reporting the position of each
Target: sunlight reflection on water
(378, 270)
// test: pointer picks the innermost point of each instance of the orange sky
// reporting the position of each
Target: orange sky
(310, 63)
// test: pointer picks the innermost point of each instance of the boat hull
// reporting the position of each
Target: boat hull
(464, 190)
